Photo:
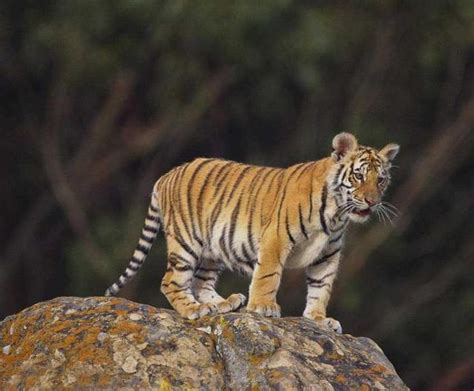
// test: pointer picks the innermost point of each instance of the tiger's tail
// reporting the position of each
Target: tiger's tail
(149, 232)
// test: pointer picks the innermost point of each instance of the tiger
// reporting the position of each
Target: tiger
(217, 214)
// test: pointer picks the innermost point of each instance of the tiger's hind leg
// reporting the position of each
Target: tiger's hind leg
(178, 280)
(205, 279)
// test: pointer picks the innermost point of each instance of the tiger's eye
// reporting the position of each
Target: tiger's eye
(359, 176)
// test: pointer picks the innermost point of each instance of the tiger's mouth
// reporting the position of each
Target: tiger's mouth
(362, 212)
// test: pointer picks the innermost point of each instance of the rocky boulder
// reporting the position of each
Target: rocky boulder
(112, 343)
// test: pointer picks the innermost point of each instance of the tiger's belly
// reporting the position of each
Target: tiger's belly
(234, 251)
(307, 251)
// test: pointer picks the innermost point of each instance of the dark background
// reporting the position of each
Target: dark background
(100, 98)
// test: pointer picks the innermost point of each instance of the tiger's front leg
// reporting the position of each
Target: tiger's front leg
(267, 277)
(320, 279)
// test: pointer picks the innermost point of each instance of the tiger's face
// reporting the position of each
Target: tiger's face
(362, 177)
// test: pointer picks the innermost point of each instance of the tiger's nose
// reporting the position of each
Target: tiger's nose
(371, 201)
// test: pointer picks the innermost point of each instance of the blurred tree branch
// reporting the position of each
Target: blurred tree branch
(454, 377)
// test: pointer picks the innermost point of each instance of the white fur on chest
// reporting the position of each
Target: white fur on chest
(306, 252)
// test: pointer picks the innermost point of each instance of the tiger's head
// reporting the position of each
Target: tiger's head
(361, 176)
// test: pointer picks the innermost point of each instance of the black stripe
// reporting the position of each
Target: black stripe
(318, 285)
(336, 177)
(173, 255)
(325, 258)
(233, 222)
(250, 234)
(322, 209)
(237, 257)
(155, 210)
(237, 183)
(178, 204)
(203, 278)
(136, 260)
(302, 227)
(282, 200)
(186, 248)
(146, 238)
(201, 196)
(188, 197)
(337, 238)
(207, 270)
(176, 284)
(268, 275)
(176, 262)
(270, 292)
(311, 280)
(253, 187)
(217, 182)
(214, 215)
(246, 254)
(278, 174)
(142, 249)
(177, 290)
(183, 268)
(308, 166)
(292, 240)
(150, 217)
(135, 268)
(165, 192)
(218, 206)
(264, 179)
(225, 173)
(149, 228)
(222, 242)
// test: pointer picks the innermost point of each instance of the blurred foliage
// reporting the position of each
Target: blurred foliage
(100, 98)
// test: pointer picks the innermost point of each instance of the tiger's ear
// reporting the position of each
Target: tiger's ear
(390, 151)
(343, 143)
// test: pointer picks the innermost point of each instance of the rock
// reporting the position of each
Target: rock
(112, 343)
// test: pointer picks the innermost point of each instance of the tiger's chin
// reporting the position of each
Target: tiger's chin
(360, 216)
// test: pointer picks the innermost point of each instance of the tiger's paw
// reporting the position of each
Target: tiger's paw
(236, 300)
(320, 318)
(269, 309)
(331, 324)
(232, 303)
(196, 311)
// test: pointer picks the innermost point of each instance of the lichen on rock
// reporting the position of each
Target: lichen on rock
(112, 343)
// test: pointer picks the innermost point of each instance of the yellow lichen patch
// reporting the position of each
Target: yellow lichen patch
(228, 334)
(30, 381)
(333, 355)
(377, 368)
(374, 371)
(364, 387)
(59, 327)
(341, 379)
(165, 385)
(276, 374)
(126, 327)
(104, 380)
(255, 360)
